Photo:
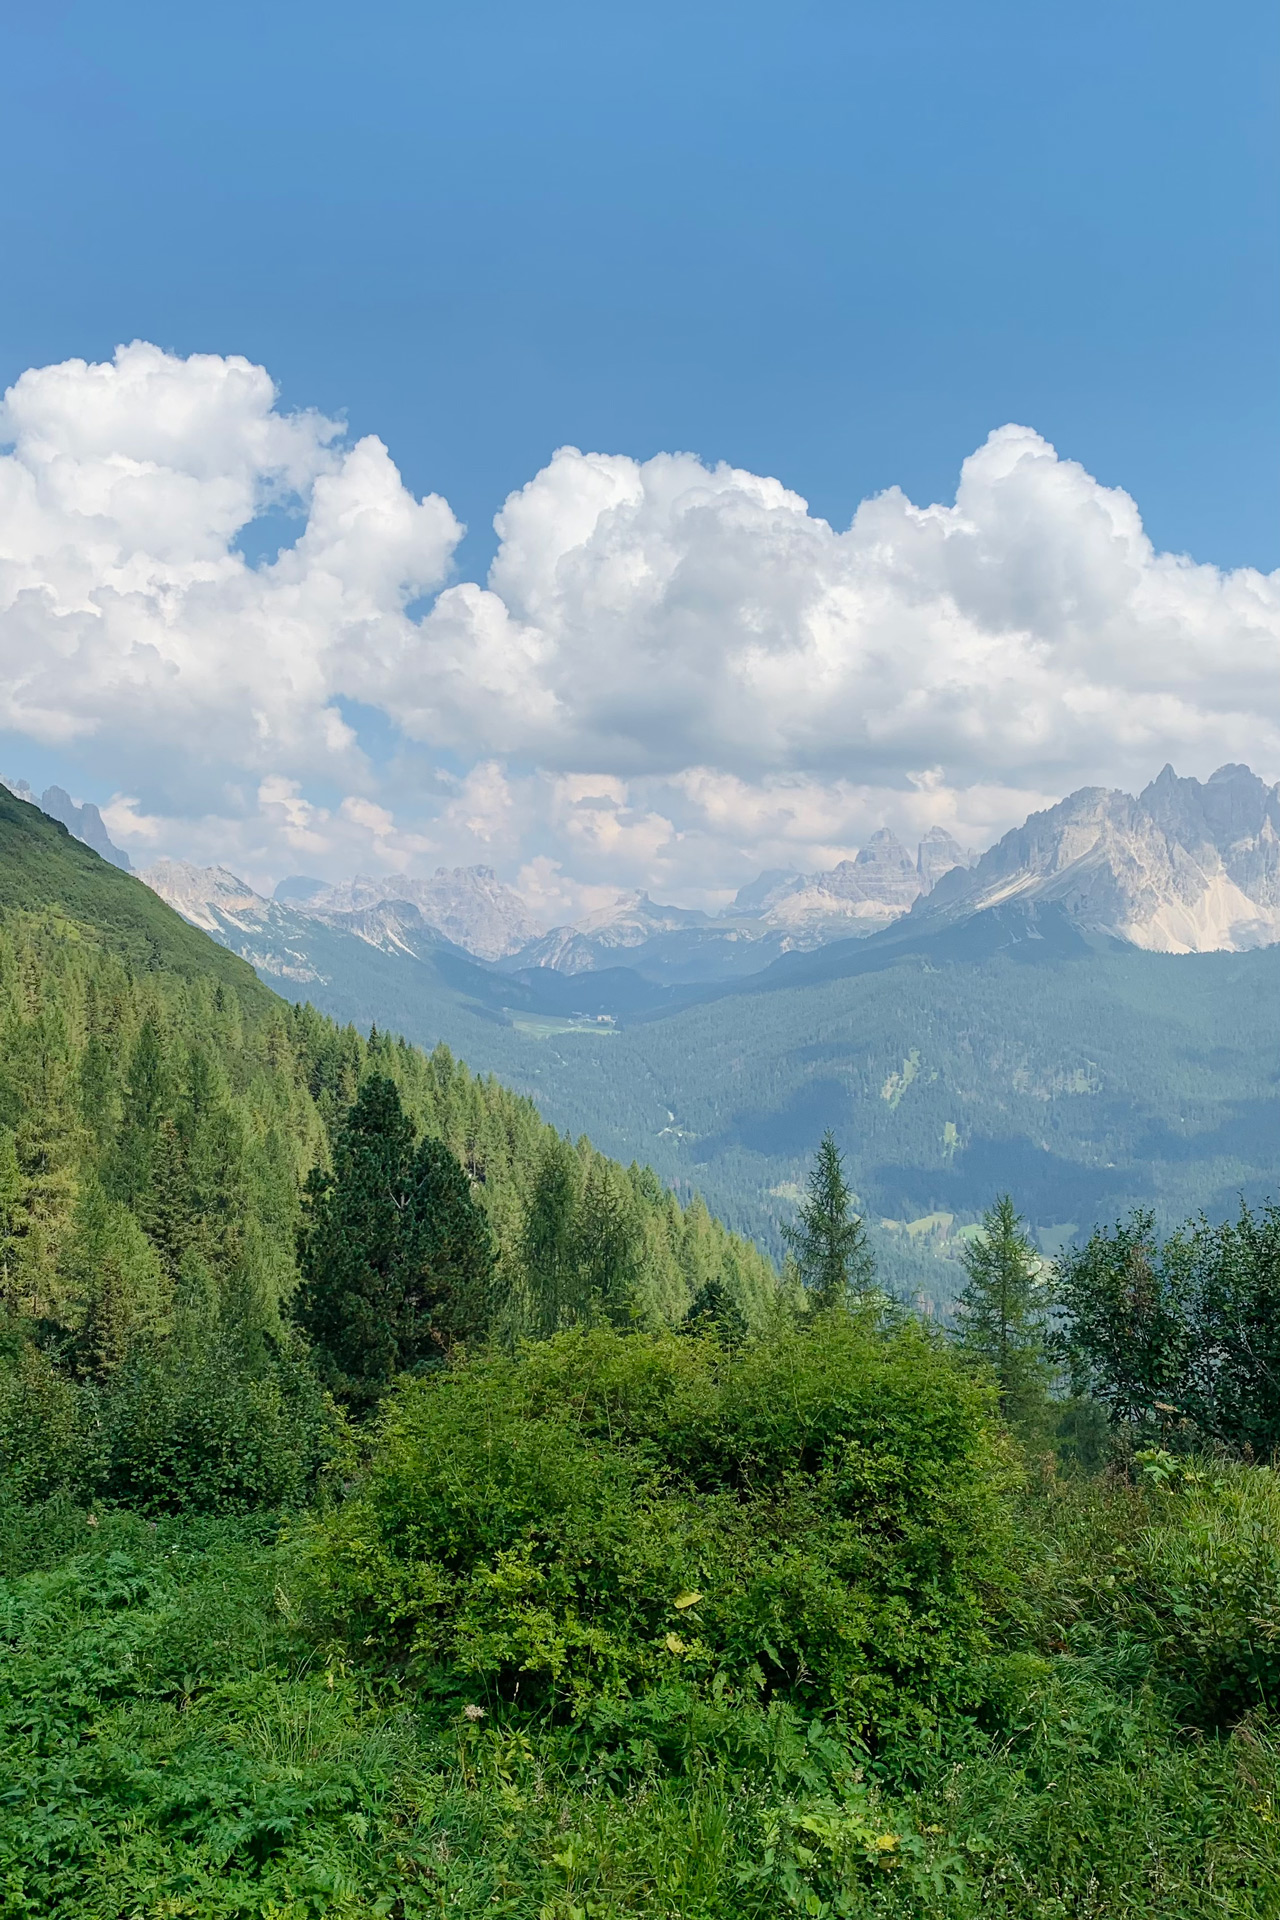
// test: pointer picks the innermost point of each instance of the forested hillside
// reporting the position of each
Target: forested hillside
(160, 1112)
(1012, 1051)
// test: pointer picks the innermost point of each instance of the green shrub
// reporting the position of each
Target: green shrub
(49, 1442)
(209, 1428)
(600, 1516)
(1199, 1588)
(208, 1424)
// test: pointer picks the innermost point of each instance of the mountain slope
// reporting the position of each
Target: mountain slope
(381, 961)
(144, 1067)
(1084, 1077)
(84, 822)
(43, 868)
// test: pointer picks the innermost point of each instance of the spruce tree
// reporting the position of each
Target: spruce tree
(117, 1287)
(828, 1238)
(549, 1244)
(1003, 1310)
(11, 1186)
(396, 1258)
(608, 1247)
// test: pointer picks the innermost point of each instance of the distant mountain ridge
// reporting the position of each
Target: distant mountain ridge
(1186, 867)
(774, 915)
(879, 883)
(469, 906)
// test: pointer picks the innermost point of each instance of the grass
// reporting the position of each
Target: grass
(177, 1740)
(549, 1026)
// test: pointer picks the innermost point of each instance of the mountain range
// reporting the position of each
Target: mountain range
(1185, 867)
(1087, 1015)
(480, 914)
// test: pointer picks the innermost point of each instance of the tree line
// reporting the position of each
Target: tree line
(1175, 1338)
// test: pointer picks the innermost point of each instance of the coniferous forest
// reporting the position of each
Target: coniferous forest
(407, 1510)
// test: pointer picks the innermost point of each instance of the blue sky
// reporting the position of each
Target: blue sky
(832, 244)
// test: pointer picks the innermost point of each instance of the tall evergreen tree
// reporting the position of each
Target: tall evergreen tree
(115, 1281)
(11, 1188)
(828, 1238)
(148, 1090)
(609, 1249)
(549, 1244)
(396, 1257)
(1003, 1309)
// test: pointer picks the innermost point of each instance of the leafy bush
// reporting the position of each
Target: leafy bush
(213, 1429)
(171, 1744)
(1197, 1588)
(48, 1437)
(209, 1424)
(822, 1516)
(1180, 1336)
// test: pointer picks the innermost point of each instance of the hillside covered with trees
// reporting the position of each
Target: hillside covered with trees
(407, 1510)
(161, 1113)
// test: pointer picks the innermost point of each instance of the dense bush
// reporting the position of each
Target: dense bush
(172, 1742)
(822, 1515)
(213, 1429)
(1180, 1336)
(212, 1423)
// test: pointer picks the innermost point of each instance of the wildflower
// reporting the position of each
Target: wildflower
(473, 1713)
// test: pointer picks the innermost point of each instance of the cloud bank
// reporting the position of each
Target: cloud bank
(673, 676)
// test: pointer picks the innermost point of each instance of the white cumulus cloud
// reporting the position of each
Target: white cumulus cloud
(673, 675)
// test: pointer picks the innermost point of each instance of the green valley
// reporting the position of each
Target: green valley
(1085, 1077)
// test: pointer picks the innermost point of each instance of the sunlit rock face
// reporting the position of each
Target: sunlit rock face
(1187, 867)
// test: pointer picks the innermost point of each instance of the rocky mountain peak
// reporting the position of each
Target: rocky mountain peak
(203, 894)
(938, 852)
(1188, 866)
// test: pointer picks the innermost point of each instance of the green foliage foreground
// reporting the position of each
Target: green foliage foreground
(194, 1722)
(818, 1516)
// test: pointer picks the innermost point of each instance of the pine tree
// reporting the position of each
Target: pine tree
(396, 1258)
(11, 1190)
(147, 1094)
(450, 1244)
(115, 1282)
(1002, 1310)
(828, 1239)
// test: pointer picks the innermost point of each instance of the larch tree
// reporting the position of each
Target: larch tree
(549, 1249)
(828, 1238)
(1003, 1309)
